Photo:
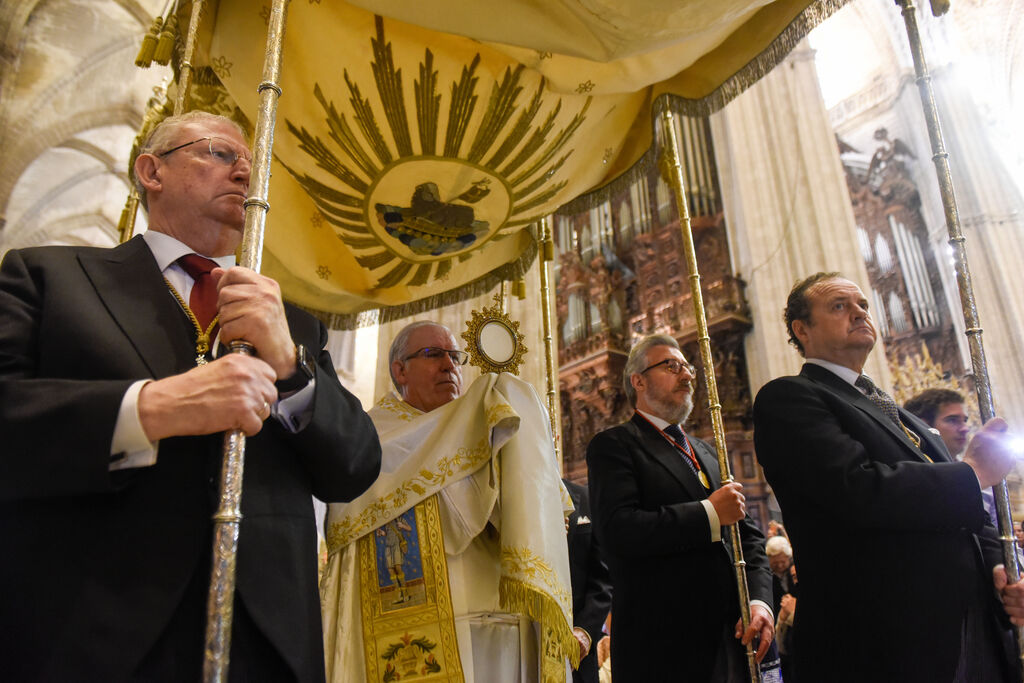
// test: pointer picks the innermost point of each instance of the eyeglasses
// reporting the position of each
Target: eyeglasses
(435, 353)
(674, 366)
(220, 150)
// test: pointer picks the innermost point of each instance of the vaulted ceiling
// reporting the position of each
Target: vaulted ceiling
(71, 101)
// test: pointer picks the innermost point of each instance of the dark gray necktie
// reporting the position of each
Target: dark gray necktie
(881, 399)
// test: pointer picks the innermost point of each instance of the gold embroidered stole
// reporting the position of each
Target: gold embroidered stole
(408, 622)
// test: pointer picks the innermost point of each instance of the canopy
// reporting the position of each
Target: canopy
(416, 142)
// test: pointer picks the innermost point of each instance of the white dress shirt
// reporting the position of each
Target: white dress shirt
(129, 440)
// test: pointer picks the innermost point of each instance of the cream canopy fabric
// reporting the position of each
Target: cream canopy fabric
(411, 152)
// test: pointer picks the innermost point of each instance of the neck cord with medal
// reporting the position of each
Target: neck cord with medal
(202, 337)
(686, 448)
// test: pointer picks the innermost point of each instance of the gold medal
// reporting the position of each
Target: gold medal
(703, 479)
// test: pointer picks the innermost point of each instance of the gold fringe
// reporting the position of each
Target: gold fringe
(148, 47)
(513, 270)
(165, 46)
(517, 597)
(730, 89)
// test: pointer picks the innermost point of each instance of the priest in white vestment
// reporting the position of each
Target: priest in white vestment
(453, 566)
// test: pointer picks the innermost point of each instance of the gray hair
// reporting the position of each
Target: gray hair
(638, 360)
(776, 545)
(164, 132)
(398, 350)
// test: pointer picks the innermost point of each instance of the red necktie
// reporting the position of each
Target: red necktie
(203, 299)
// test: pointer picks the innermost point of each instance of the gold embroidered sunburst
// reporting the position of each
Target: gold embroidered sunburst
(414, 194)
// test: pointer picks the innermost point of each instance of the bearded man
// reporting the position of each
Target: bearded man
(658, 509)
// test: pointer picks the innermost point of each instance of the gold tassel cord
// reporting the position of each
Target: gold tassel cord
(149, 43)
(165, 46)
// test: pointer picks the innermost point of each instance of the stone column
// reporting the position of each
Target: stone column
(787, 208)
(990, 205)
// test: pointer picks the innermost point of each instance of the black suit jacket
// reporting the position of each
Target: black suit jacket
(96, 562)
(591, 585)
(885, 543)
(674, 597)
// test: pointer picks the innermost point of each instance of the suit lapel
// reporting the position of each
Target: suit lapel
(661, 451)
(131, 287)
(862, 403)
(931, 443)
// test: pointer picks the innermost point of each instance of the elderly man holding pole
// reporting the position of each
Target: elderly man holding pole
(470, 496)
(113, 397)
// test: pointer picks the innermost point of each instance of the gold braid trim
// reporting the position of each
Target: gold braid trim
(512, 270)
(464, 461)
(546, 607)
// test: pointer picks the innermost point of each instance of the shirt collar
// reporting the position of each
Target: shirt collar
(844, 373)
(166, 250)
(655, 420)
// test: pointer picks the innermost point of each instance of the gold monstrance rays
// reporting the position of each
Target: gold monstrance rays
(387, 211)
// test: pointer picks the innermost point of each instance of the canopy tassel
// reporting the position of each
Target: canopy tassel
(149, 41)
(519, 289)
(165, 46)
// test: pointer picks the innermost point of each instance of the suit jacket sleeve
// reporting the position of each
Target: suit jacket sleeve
(597, 589)
(56, 431)
(624, 526)
(752, 541)
(816, 443)
(339, 447)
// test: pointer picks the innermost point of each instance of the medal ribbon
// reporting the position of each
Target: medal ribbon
(686, 448)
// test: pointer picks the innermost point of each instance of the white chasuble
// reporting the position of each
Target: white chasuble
(463, 533)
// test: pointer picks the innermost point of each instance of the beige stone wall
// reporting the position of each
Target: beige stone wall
(786, 205)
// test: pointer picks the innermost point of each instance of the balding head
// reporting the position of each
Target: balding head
(424, 378)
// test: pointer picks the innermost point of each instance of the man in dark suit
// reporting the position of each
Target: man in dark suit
(112, 406)
(894, 585)
(591, 587)
(659, 513)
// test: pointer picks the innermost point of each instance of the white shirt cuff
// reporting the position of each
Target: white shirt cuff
(765, 605)
(716, 528)
(295, 411)
(129, 447)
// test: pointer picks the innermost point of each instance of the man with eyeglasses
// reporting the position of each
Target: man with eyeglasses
(659, 511)
(115, 396)
(483, 467)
